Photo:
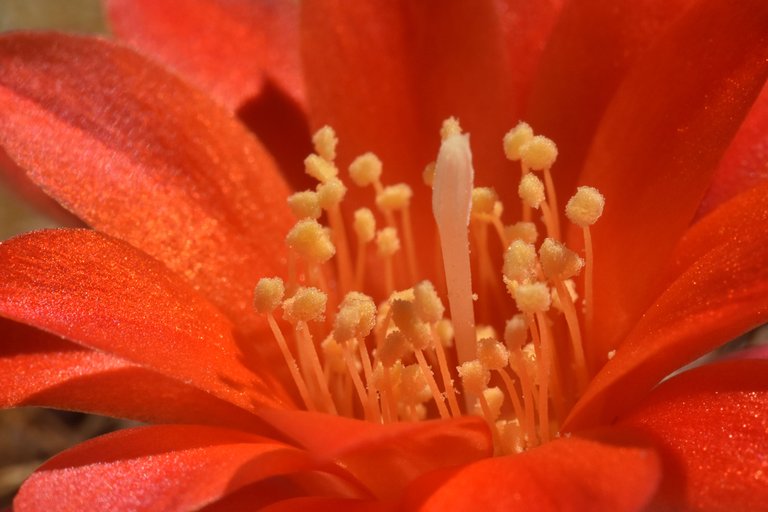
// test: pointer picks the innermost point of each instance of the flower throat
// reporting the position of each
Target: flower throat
(401, 359)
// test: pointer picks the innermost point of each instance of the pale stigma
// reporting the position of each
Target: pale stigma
(451, 205)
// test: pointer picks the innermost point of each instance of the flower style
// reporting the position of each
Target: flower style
(148, 315)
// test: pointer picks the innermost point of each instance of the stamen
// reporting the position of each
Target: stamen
(267, 296)
(451, 197)
(583, 209)
(388, 243)
(305, 205)
(365, 229)
(325, 142)
(515, 139)
(539, 154)
(329, 196)
(398, 198)
(320, 168)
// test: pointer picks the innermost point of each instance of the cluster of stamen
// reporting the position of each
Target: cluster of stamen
(400, 358)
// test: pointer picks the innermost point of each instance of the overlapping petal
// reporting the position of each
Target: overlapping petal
(564, 475)
(590, 50)
(167, 468)
(402, 451)
(744, 163)
(710, 424)
(104, 294)
(228, 48)
(432, 60)
(721, 291)
(139, 154)
(37, 368)
(659, 143)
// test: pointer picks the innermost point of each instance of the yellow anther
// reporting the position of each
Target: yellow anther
(268, 294)
(484, 201)
(524, 231)
(330, 193)
(305, 205)
(365, 225)
(311, 241)
(320, 168)
(394, 197)
(404, 317)
(585, 207)
(532, 297)
(570, 286)
(325, 142)
(387, 242)
(474, 377)
(429, 174)
(444, 330)
(492, 354)
(394, 348)
(516, 332)
(428, 305)
(557, 261)
(515, 139)
(306, 305)
(333, 354)
(450, 127)
(519, 261)
(494, 397)
(539, 153)
(356, 317)
(531, 190)
(485, 331)
(413, 385)
(365, 170)
(509, 436)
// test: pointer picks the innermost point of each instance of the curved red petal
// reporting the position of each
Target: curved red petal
(745, 163)
(322, 504)
(106, 295)
(138, 154)
(226, 47)
(402, 451)
(658, 144)
(244, 53)
(710, 424)
(432, 60)
(564, 475)
(721, 291)
(170, 467)
(591, 48)
(37, 368)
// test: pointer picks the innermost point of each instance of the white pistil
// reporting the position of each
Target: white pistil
(451, 201)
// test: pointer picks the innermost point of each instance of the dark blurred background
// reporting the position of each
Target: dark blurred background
(29, 436)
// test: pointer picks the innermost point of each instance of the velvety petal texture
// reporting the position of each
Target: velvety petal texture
(658, 144)
(721, 291)
(161, 468)
(104, 294)
(711, 424)
(229, 48)
(37, 368)
(139, 154)
(563, 475)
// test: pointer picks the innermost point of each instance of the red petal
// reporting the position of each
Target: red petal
(711, 426)
(226, 47)
(432, 60)
(37, 368)
(244, 53)
(721, 292)
(137, 153)
(104, 294)
(324, 504)
(658, 144)
(402, 451)
(170, 467)
(590, 50)
(564, 475)
(745, 164)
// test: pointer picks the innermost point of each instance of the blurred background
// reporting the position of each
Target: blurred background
(29, 436)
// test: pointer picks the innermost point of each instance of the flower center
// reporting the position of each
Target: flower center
(401, 359)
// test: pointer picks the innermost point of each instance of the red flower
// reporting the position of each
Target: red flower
(148, 316)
